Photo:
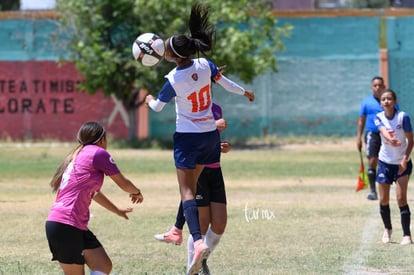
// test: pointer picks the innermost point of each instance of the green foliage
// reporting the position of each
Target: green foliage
(101, 37)
(9, 5)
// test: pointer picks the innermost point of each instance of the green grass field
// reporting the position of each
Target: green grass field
(292, 210)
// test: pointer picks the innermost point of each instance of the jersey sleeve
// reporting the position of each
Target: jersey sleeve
(378, 122)
(362, 110)
(215, 73)
(406, 123)
(167, 92)
(103, 161)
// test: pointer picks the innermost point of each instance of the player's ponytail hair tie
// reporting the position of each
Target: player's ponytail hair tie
(173, 49)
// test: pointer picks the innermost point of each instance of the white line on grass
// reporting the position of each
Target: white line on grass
(356, 262)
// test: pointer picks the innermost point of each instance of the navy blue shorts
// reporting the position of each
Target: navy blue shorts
(191, 149)
(67, 242)
(388, 173)
(372, 144)
(210, 187)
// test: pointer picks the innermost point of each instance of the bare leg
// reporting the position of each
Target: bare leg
(218, 217)
(384, 193)
(204, 218)
(401, 190)
(98, 260)
(73, 269)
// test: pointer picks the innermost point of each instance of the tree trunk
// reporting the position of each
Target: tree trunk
(132, 121)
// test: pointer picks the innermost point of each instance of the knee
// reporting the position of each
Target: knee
(218, 227)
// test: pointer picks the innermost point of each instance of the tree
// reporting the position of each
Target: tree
(101, 33)
(9, 5)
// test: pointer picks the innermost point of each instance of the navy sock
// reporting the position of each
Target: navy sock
(371, 177)
(180, 219)
(385, 215)
(191, 216)
(405, 219)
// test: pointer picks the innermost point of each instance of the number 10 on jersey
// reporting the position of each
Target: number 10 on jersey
(200, 100)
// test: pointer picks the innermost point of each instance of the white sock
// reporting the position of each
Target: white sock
(212, 239)
(190, 251)
(96, 272)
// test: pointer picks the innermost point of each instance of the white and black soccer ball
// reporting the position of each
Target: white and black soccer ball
(148, 49)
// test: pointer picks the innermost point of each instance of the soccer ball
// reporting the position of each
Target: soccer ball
(149, 49)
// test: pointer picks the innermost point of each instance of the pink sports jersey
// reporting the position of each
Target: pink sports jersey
(80, 181)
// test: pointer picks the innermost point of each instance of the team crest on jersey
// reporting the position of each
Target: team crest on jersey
(111, 160)
(194, 77)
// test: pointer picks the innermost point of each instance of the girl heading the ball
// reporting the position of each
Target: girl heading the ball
(196, 139)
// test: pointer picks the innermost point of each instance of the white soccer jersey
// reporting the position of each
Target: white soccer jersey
(388, 153)
(193, 97)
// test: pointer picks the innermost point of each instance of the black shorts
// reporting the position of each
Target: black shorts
(67, 242)
(210, 187)
(372, 144)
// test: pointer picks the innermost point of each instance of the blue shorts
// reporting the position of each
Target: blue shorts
(67, 242)
(372, 144)
(388, 173)
(191, 149)
(210, 187)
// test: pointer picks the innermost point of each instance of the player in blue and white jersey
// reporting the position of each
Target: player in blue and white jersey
(394, 163)
(196, 140)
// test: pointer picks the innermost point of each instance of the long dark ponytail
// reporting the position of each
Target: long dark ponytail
(200, 39)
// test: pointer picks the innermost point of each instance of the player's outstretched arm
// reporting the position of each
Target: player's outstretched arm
(126, 185)
(101, 199)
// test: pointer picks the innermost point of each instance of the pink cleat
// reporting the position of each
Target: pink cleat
(201, 252)
(174, 236)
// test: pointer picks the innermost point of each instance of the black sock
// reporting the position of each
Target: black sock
(371, 176)
(405, 219)
(385, 215)
(180, 219)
